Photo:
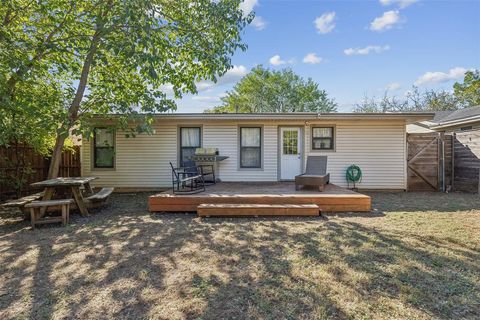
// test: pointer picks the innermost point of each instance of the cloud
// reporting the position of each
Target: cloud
(247, 6)
(276, 60)
(366, 50)
(210, 99)
(386, 21)
(401, 3)
(437, 77)
(325, 23)
(312, 58)
(259, 23)
(393, 86)
(231, 76)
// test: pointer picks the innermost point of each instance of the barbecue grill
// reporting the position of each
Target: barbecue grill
(208, 156)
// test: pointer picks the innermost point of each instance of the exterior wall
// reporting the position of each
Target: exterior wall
(415, 128)
(377, 146)
(140, 162)
(225, 137)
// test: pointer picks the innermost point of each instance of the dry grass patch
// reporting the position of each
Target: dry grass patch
(417, 257)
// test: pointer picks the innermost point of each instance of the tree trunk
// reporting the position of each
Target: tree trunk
(56, 156)
(74, 108)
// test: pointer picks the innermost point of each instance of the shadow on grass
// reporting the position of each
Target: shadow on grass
(423, 201)
(124, 263)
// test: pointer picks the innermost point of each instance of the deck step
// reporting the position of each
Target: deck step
(237, 209)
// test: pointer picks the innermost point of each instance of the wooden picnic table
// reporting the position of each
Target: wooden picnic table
(74, 183)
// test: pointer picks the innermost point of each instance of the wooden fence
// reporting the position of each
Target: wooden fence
(466, 161)
(20, 166)
(443, 161)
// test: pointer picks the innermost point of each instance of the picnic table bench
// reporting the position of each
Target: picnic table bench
(21, 202)
(99, 198)
(35, 215)
(72, 187)
(73, 184)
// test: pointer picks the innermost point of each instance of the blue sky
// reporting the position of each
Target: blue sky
(353, 48)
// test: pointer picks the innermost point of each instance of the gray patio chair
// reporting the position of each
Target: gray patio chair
(315, 174)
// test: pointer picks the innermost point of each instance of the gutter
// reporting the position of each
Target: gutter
(455, 122)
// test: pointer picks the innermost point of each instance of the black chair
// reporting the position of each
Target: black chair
(203, 169)
(184, 181)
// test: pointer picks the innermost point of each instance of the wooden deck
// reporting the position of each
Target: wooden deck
(333, 199)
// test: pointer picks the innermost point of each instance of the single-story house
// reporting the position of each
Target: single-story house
(259, 147)
(449, 121)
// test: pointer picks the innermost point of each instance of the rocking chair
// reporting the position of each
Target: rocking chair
(184, 182)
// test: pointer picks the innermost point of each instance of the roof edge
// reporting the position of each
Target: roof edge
(409, 117)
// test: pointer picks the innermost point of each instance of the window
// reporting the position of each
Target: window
(104, 148)
(250, 147)
(190, 139)
(466, 128)
(322, 138)
(290, 142)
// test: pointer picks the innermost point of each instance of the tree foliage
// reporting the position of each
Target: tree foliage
(414, 101)
(63, 62)
(264, 90)
(468, 92)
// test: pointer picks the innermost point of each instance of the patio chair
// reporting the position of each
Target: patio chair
(184, 181)
(204, 169)
(315, 174)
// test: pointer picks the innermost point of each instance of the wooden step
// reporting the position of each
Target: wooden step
(236, 209)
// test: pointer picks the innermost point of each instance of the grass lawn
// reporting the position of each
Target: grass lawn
(416, 256)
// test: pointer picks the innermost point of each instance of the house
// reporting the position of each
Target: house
(259, 147)
(448, 121)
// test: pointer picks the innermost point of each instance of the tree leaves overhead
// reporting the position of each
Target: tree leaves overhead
(468, 92)
(64, 61)
(264, 90)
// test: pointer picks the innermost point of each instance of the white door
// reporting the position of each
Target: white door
(290, 153)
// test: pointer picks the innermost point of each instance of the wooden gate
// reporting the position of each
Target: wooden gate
(429, 161)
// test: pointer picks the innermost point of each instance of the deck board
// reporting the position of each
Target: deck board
(232, 210)
(333, 199)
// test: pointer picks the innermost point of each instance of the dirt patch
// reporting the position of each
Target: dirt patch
(415, 257)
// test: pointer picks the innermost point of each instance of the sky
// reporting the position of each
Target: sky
(355, 48)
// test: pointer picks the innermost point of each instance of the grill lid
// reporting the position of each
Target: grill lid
(206, 151)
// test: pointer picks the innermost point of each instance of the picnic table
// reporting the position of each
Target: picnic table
(72, 183)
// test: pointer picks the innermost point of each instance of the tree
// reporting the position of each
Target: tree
(414, 101)
(63, 62)
(468, 92)
(264, 90)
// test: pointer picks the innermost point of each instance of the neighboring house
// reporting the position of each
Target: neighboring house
(260, 147)
(448, 121)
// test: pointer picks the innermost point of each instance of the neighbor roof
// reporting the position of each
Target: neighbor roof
(457, 117)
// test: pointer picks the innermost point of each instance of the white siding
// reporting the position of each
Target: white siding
(225, 138)
(140, 162)
(378, 147)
